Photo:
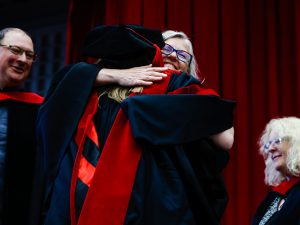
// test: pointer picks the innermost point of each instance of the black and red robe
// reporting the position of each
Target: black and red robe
(177, 176)
(290, 210)
(22, 108)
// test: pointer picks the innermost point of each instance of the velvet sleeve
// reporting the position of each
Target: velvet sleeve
(56, 123)
(177, 118)
(63, 106)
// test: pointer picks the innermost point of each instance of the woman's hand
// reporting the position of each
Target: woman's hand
(136, 76)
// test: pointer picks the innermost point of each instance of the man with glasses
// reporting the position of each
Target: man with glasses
(18, 112)
(16, 57)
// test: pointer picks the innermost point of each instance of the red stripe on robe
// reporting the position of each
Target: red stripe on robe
(85, 127)
(86, 172)
(194, 89)
(26, 97)
(86, 169)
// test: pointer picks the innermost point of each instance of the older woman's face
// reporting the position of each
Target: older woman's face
(276, 149)
(171, 61)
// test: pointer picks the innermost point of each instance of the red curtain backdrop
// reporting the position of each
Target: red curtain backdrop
(248, 50)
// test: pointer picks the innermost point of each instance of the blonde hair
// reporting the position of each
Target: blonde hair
(288, 127)
(119, 94)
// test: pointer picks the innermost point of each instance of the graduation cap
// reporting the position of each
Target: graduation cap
(122, 46)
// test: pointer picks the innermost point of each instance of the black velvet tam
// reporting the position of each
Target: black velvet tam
(122, 46)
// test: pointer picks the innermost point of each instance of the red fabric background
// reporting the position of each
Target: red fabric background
(248, 50)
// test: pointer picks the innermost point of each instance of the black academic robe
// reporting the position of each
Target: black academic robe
(178, 177)
(288, 214)
(20, 161)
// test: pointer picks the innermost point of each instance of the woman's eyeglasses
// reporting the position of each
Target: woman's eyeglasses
(276, 142)
(181, 54)
(30, 55)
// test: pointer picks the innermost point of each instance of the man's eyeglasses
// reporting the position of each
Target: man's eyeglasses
(181, 54)
(276, 142)
(30, 55)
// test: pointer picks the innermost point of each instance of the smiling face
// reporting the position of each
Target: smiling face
(171, 61)
(14, 68)
(277, 151)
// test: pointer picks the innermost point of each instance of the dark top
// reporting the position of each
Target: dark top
(19, 161)
(289, 214)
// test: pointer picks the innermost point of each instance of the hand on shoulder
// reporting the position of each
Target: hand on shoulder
(136, 76)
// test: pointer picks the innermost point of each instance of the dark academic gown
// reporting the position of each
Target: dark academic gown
(290, 211)
(20, 156)
(178, 177)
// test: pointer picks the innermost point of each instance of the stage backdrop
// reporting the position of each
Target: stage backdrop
(248, 50)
